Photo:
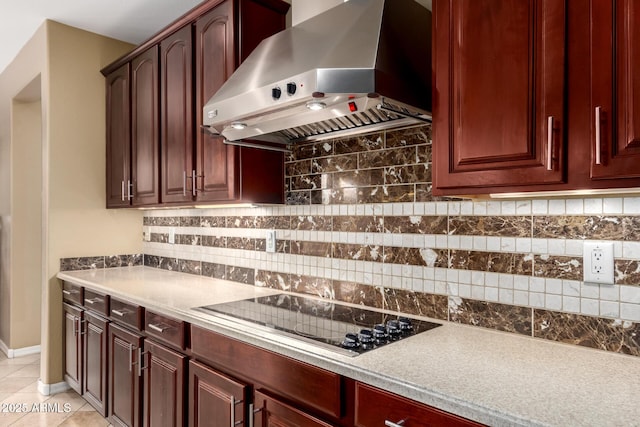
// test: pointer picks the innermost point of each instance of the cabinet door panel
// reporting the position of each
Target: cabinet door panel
(145, 141)
(73, 347)
(499, 79)
(95, 362)
(615, 65)
(118, 137)
(164, 386)
(176, 116)
(215, 62)
(212, 396)
(124, 383)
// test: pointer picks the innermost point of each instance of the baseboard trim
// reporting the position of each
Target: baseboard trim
(18, 352)
(49, 389)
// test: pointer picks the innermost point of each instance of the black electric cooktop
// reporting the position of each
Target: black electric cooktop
(345, 329)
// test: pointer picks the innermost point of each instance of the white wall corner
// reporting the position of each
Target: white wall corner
(50, 389)
(18, 352)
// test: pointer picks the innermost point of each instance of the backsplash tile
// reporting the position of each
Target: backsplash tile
(361, 226)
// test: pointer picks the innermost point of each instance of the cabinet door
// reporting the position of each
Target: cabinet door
(164, 386)
(376, 407)
(145, 141)
(73, 318)
(272, 412)
(124, 387)
(499, 93)
(118, 138)
(615, 88)
(176, 116)
(95, 362)
(216, 162)
(214, 398)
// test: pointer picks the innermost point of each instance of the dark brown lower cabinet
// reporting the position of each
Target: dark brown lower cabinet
(215, 399)
(95, 362)
(164, 386)
(125, 387)
(271, 412)
(73, 318)
(375, 407)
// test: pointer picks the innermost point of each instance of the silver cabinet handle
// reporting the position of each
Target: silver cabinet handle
(89, 301)
(119, 313)
(598, 136)
(550, 143)
(184, 183)
(392, 424)
(158, 328)
(129, 189)
(130, 357)
(193, 182)
(66, 292)
(140, 358)
(76, 325)
(252, 413)
(235, 402)
(122, 190)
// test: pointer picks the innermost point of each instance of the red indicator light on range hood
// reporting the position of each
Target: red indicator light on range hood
(352, 106)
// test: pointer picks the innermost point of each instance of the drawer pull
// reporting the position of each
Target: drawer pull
(71, 292)
(158, 328)
(392, 424)
(120, 313)
(89, 301)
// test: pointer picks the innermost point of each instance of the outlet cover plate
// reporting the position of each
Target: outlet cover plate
(597, 260)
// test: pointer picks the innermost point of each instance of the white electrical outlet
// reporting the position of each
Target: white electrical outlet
(597, 261)
(172, 235)
(146, 234)
(271, 241)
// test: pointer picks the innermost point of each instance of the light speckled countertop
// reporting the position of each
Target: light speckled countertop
(495, 378)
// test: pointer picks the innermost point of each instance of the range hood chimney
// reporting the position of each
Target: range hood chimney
(364, 65)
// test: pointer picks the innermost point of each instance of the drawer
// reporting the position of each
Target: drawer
(96, 301)
(391, 409)
(126, 313)
(166, 329)
(299, 382)
(72, 293)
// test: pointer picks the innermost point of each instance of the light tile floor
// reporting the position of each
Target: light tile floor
(22, 405)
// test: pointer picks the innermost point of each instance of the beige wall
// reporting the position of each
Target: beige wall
(26, 238)
(72, 200)
(76, 172)
(19, 298)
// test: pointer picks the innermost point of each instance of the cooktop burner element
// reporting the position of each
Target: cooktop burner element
(346, 329)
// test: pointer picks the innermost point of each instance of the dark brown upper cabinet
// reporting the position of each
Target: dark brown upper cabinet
(118, 137)
(145, 136)
(499, 108)
(176, 89)
(132, 132)
(615, 94)
(536, 96)
(157, 120)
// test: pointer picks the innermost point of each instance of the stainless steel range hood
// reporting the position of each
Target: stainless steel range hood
(363, 65)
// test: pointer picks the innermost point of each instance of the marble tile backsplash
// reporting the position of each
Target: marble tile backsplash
(361, 226)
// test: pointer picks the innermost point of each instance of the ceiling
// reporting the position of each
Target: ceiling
(132, 21)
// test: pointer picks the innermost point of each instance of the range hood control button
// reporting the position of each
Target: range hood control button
(291, 88)
(276, 93)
